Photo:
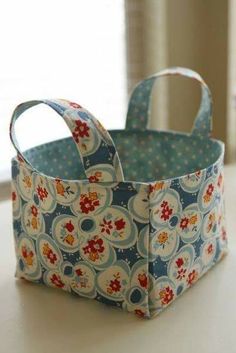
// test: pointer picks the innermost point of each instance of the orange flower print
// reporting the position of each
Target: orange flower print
(193, 219)
(89, 203)
(157, 186)
(34, 223)
(49, 253)
(61, 190)
(211, 222)
(59, 187)
(206, 198)
(162, 238)
(166, 295)
(27, 181)
(69, 239)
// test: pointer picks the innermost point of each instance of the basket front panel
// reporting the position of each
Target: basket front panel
(187, 233)
(82, 237)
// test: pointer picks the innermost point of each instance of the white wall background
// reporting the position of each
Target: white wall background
(70, 49)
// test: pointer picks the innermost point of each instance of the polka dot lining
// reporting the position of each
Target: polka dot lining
(145, 155)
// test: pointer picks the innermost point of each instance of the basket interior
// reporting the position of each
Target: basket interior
(145, 156)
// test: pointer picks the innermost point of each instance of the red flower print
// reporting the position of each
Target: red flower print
(223, 234)
(20, 159)
(56, 280)
(181, 273)
(106, 226)
(51, 256)
(93, 179)
(210, 189)
(81, 130)
(151, 188)
(25, 252)
(164, 204)
(34, 211)
(198, 173)
(42, 192)
(93, 248)
(88, 204)
(69, 226)
(75, 105)
(96, 177)
(166, 211)
(27, 255)
(220, 179)
(179, 262)
(192, 277)
(184, 223)
(143, 280)
(120, 224)
(166, 295)
(210, 249)
(13, 196)
(115, 285)
(86, 250)
(96, 245)
(49, 253)
(79, 272)
(139, 313)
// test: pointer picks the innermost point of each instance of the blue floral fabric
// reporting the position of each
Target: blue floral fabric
(136, 244)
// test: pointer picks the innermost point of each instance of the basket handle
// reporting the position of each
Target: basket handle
(139, 104)
(94, 144)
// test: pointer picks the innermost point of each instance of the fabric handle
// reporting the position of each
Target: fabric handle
(94, 144)
(139, 106)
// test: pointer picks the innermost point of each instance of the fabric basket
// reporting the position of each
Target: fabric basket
(131, 218)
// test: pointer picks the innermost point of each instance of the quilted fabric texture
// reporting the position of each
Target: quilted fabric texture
(137, 244)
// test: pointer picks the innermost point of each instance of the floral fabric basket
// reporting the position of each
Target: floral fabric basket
(131, 218)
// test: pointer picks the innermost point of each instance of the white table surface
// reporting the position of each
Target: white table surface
(34, 318)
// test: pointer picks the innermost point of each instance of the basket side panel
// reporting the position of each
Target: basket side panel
(187, 233)
(85, 238)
